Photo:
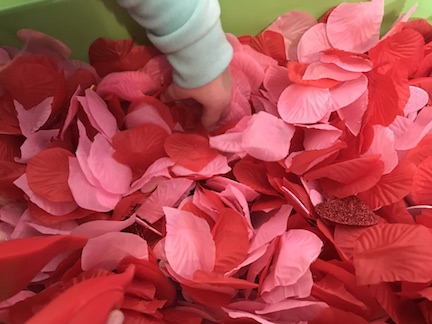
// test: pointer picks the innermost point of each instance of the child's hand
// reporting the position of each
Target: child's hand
(214, 96)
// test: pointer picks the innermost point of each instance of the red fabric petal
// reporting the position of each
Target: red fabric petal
(231, 237)
(271, 44)
(23, 259)
(421, 188)
(296, 70)
(422, 26)
(8, 116)
(47, 175)
(393, 252)
(10, 147)
(47, 218)
(391, 188)
(422, 151)
(337, 315)
(190, 150)
(139, 147)
(9, 172)
(253, 173)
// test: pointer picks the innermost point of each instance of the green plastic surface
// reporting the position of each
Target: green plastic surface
(78, 22)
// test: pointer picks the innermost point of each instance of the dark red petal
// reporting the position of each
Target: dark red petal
(10, 147)
(422, 26)
(270, 43)
(9, 172)
(46, 218)
(253, 173)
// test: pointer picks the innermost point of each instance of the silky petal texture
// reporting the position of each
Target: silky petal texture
(421, 192)
(155, 173)
(230, 234)
(304, 104)
(30, 120)
(47, 174)
(319, 70)
(167, 194)
(347, 61)
(85, 194)
(106, 251)
(267, 137)
(361, 21)
(421, 126)
(35, 252)
(71, 111)
(312, 43)
(36, 143)
(113, 176)
(393, 252)
(101, 227)
(292, 25)
(292, 310)
(392, 187)
(217, 166)
(273, 227)
(219, 183)
(127, 85)
(270, 44)
(348, 92)
(417, 100)
(352, 114)
(276, 81)
(98, 114)
(250, 67)
(383, 143)
(320, 136)
(146, 114)
(228, 142)
(54, 208)
(189, 245)
(289, 266)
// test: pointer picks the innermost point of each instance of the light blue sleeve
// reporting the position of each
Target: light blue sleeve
(189, 32)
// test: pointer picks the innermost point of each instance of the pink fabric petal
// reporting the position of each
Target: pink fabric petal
(351, 63)
(313, 42)
(251, 258)
(319, 70)
(276, 81)
(289, 265)
(71, 112)
(383, 143)
(262, 104)
(62, 228)
(243, 314)
(30, 120)
(100, 227)
(145, 114)
(168, 193)
(113, 176)
(98, 114)
(155, 173)
(4, 56)
(11, 213)
(400, 126)
(320, 136)
(294, 311)
(219, 183)
(273, 227)
(267, 137)
(361, 21)
(253, 71)
(229, 142)
(292, 25)
(85, 194)
(54, 208)
(304, 104)
(22, 229)
(106, 251)
(36, 143)
(421, 126)
(348, 92)
(42, 44)
(217, 166)
(159, 70)
(352, 114)
(189, 245)
(417, 100)
(129, 85)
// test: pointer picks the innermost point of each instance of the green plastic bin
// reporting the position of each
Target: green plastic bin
(78, 22)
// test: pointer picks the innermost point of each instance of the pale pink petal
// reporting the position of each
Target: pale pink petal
(312, 43)
(260, 103)
(168, 193)
(113, 176)
(244, 314)
(276, 225)
(189, 245)
(256, 267)
(155, 173)
(304, 104)
(219, 183)
(399, 24)
(100, 227)
(205, 203)
(62, 228)
(352, 63)
(54, 208)
(292, 25)
(384, 143)
(22, 229)
(85, 194)
(417, 100)
(30, 120)
(267, 138)
(400, 126)
(352, 114)
(98, 114)
(421, 126)
(276, 81)
(11, 213)
(253, 71)
(71, 112)
(251, 258)
(145, 114)
(320, 70)
(235, 42)
(42, 44)
(128, 85)
(106, 251)
(319, 136)
(355, 27)
(289, 265)
(348, 92)
(264, 60)
(301, 289)
(228, 142)
(313, 190)
(217, 166)
(293, 310)
(4, 56)
(159, 69)
(36, 143)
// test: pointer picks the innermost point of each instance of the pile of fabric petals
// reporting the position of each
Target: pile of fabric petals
(309, 202)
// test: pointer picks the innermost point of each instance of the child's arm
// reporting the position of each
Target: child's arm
(190, 33)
